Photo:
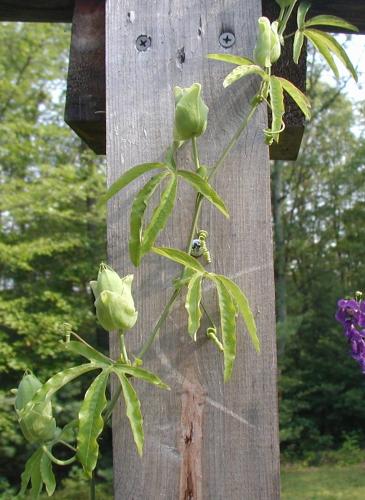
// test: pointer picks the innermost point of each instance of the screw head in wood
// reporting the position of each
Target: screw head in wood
(143, 43)
(227, 39)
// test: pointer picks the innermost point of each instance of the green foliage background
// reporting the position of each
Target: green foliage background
(52, 240)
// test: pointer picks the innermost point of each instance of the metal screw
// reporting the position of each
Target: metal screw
(143, 43)
(227, 39)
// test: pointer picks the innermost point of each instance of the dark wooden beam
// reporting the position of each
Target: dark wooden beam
(85, 98)
(57, 11)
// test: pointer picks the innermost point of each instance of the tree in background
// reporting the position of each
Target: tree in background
(52, 238)
(319, 209)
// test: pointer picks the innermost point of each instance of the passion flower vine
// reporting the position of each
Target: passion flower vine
(351, 314)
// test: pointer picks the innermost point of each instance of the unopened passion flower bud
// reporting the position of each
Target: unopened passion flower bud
(191, 113)
(113, 300)
(36, 421)
(268, 48)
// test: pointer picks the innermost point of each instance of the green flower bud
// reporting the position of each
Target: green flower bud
(268, 48)
(36, 422)
(190, 113)
(113, 300)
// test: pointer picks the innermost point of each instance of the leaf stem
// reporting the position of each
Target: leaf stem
(56, 460)
(68, 445)
(195, 153)
(123, 354)
(285, 18)
(92, 488)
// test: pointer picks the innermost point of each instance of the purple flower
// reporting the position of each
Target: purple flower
(351, 314)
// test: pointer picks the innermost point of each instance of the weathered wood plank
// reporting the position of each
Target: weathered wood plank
(85, 98)
(58, 11)
(204, 439)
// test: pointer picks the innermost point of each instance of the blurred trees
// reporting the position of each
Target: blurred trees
(51, 237)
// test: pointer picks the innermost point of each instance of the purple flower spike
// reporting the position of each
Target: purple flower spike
(351, 314)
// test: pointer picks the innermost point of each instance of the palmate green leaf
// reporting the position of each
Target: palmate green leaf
(56, 382)
(298, 45)
(137, 214)
(297, 95)
(277, 107)
(141, 374)
(179, 257)
(320, 44)
(203, 187)
(133, 409)
(160, 216)
(242, 71)
(47, 475)
(127, 178)
(325, 20)
(91, 422)
(30, 471)
(337, 50)
(244, 309)
(192, 304)
(302, 12)
(228, 326)
(87, 352)
(228, 58)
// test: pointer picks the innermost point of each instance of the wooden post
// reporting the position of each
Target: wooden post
(204, 439)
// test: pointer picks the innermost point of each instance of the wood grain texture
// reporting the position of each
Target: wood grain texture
(85, 97)
(235, 448)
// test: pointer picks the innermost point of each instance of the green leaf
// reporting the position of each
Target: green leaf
(298, 45)
(180, 257)
(31, 465)
(242, 71)
(160, 216)
(56, 382)
(192, 304)
(277, 107)
(141, 374)
(137, 213)
(297, 95)
(320, 44)
(127, 178)
(337, 50)
(134, 414)
(203, 187)
(243, 308)
(228, 325)
(335, 21)
(228, 58)
(91, 422)
(87, 352)
(47, 475)
(302, 12)
(36, 480)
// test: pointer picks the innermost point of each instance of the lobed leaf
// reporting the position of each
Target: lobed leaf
(228, 325)
(298, 45)
(31, 465)
(91, 422)
(160, 216)
(88, 352)
(336, 49)
(133, 408)
(192, 304)
(244, 309)
(179, 257)
(141, 374)
(127, 178)
(297, 95)
(56, 382)
(325, 20)
(47, 475)
(203, 187)
(277, 107)
(137, 214)
(242, 71)
(302, 12)
(232, 59)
